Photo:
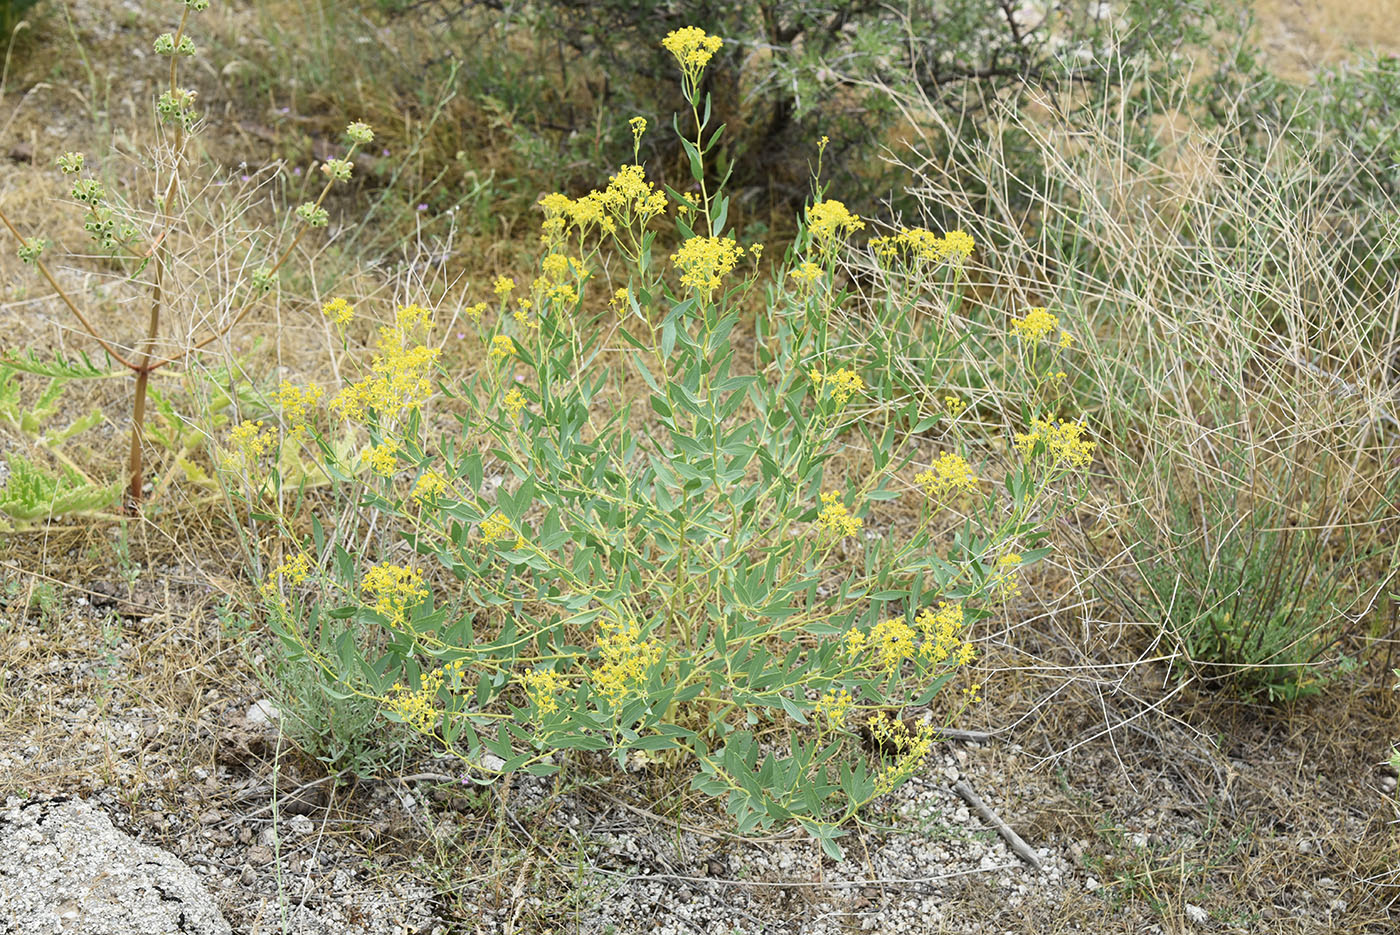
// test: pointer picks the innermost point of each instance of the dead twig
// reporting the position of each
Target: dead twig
(1014, 840)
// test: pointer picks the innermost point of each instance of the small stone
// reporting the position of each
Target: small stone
(259, 854)
(262, 711)
(1388, 784)
(301, 825)
(211, 817)
(1197, 915)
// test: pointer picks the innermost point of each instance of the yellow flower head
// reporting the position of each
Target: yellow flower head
(396, 590)
(298, 405)
(429, 487)
(541, 686)
(417, 707)
(1063, 443)
(854, 642)
(501, 348)
(835, 517)
(630, 196)
(693, 49)
(949, 475)
(958, 245)
(806, 273)
(829, 221)
(503, 286)
(893, 642)
(1036, 325)
(248, 441)
(704, 261)
(940, 633)
(292, 572)
(625, 660)
(338, 311)
(1003, 581)
(381, 458)
(515, 403)
(834, 705)
(495, 528)
(840, 385)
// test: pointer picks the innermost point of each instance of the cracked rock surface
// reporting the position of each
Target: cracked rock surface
(65, 869)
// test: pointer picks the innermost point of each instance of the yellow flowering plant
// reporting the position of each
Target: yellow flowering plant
(637, 542)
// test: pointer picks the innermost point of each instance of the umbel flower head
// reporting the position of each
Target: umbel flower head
(704, 261)
(1036, 325)
(829, 221)
(693, 49)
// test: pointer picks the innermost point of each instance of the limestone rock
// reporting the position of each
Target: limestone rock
(65, 870)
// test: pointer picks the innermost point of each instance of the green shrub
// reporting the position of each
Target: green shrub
(620, 534)
(790, 72)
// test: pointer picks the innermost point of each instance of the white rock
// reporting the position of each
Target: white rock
(263, 711)
(1197, 915)
(64, 859)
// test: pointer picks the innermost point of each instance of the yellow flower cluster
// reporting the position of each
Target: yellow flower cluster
(515, 403)
(937, 639)
(923, 245)
(940, 631)
(806, 273)
(495, 528)
(396, 590)
(338, 311)
(854, 641)
(704, 261)
(504, 286)
(381, 458)
(1064, 442)
(292, 572)
(835, 517)
(841, 385)
(298, 406)
(624, 660)
(892, 641)
(953, 406)
(829, 221)
(541, 686)
(629, 198)
(909, 747)
(501, 348)
(429, 487)
(247, 442)
(398, 381)
(1036, 325)
(629, 194)
(1003, 581)
(950, 474)
(417, 707)
(693, 49)
(834, 705)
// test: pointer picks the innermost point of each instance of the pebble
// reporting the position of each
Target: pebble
(263, 711)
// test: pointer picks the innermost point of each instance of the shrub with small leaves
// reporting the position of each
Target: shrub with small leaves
(681, 552)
